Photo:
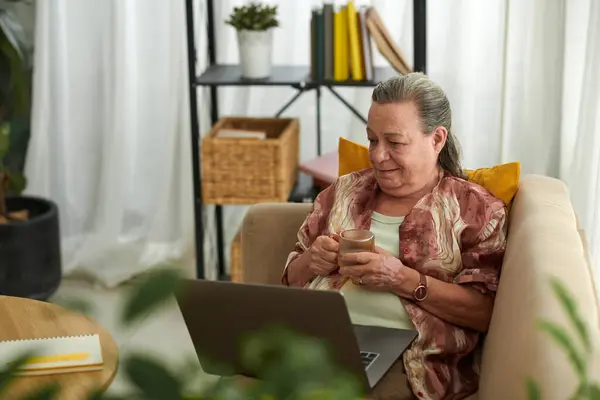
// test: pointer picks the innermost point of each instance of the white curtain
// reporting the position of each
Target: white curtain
(521, 75)
(581, 117)
(523, 78)
(110, 133)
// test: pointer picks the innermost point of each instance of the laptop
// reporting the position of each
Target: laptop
(220, 316)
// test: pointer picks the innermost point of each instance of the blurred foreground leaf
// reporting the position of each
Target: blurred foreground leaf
(7, 374)
(570, 308)
(16, 182)
(189, 368)
(226, 388)
(586, 390)
(595, 392)
(563, 340)
(4, 139)
(292, 366)
(533, 390)
(49, 392)
(272, 347)
(100, 394)
(151, 292)
(77, 305)
(153, 380)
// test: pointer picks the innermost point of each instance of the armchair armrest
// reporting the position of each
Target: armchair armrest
(269, 234)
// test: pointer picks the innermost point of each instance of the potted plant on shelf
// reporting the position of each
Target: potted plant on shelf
(30, 262)
(254, 24)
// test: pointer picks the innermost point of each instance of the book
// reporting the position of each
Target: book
(313, 44)
(54, 355)
(340, 47)
(365, 38)
(383, 40)
(356, 70)
(328, 36)
(320, 44)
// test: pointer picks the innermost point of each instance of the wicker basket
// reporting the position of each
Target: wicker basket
(248, 171)
(236, 270)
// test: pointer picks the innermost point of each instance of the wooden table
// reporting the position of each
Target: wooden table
(30, 319)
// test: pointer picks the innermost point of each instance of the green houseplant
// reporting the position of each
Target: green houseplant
(254, 24)
(29, 232)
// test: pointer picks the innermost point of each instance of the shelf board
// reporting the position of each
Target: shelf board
(231, 75)
(281, 75)
(379, 74)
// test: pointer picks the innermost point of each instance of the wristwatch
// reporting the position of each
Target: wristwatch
(420, 293)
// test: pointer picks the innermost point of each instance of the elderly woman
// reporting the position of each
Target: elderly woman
(440, 243)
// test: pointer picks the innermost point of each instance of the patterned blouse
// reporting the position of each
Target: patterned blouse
(456, 233)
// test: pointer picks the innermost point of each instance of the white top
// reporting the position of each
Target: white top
(373, 308)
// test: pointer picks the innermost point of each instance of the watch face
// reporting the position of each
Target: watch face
(420, 293)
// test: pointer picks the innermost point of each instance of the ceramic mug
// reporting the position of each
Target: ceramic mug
(356, 240)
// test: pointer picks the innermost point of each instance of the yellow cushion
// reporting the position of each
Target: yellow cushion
(500, 180)
(352, 157)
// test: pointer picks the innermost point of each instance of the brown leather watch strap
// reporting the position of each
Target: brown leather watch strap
(420, 292)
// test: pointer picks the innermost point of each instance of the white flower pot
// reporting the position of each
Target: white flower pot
(255, 53)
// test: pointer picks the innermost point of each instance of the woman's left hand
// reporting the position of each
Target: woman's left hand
(377, 271)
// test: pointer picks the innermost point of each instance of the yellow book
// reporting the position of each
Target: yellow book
(341, 66)
(356, 64)
(57, 355)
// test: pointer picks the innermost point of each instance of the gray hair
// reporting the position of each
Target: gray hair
(434, 109)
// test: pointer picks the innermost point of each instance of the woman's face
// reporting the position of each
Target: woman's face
(404, 158)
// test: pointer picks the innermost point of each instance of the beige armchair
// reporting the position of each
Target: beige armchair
(544, 240)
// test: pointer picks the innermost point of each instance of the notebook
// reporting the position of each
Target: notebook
(55, 355)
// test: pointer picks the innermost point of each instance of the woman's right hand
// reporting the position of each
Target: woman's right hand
(324, 255)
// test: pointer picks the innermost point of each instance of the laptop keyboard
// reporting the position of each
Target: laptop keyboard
(368, 358)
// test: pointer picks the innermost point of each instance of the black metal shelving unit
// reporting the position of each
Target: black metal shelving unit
(297, 77)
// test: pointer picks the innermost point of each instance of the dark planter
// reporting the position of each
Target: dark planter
(30, 263)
